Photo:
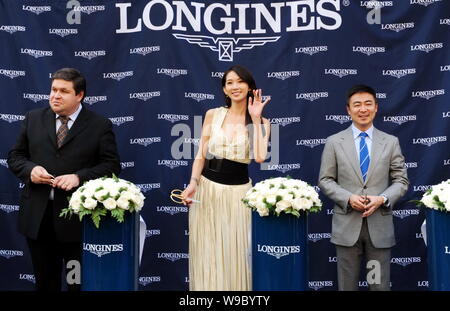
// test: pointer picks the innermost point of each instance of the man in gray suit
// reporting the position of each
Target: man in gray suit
(363, 172)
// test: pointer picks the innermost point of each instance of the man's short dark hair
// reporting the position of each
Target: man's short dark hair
(360, 88)
(73, 75)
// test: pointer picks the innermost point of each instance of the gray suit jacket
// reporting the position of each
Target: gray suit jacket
(340, 177)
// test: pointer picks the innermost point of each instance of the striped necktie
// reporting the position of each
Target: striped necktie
(364, 158)
(62, 130)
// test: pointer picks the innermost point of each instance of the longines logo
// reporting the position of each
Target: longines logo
(311, 96)
(403, 213)
(172, 210)
(125, 165)
(399, 119)
(147, 187)
(9, 208)
(397, 27)
(11, 117)
(153, 232)
(283, 167)
(94, 99)
(90, 54)
(144, 96)
(198, 96)
(380, 95)
(217, 74)
(404, 261)
(278, 251)
(172, 163)
(284, 121)
(338, 118)
(411, 165)
(36, 53)
(376, 4)
(102, 249)
(312, 142)
(314, 237)
(7, 253)
(369, 50)
(172, 72)
(173, 256)
(341, 72)
(4, 162)
(446, 250)
(145, 280)
(12, 73)
(145, 50)
(422, 188)
(36, 97)
(428, 94)
(12, 29)
(422, 284)
(446, 114)
(429, 141)
(399, 73)
(311, 50)
(27, 277)
(145, 141)
(194, 141)
(427, 47)
(283, 75)
(322, 15)
(444, 21)
(88, 9)
(316, 285)
(424, 2)
(121, 120)
(117, 75)
(445, 68)
(173, 117)
(63, 32)
(446, 162)
(37, 9)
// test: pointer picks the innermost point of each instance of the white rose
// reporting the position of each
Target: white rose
(282, 205)
(74, 204)
(302, 204)
(99, 194)
(109, 204)
(271, 199)
(90, 203)
(123, 203)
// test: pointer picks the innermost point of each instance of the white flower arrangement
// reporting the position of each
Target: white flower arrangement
(437, 197)
(282, 195)
(98, 196)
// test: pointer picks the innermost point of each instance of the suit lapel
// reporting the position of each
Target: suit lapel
(377, 149)
(349, 149)
(50, 125)
(79, 124)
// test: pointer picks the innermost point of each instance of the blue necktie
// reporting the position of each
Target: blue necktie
(364, 158)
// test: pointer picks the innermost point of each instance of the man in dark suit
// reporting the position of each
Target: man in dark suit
(58, 149)
(363, 172)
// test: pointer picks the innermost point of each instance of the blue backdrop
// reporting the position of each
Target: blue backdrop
(154, 68)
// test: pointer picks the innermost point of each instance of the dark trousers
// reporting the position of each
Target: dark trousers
(349, 263)
(48, 256)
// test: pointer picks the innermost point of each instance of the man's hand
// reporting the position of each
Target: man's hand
(375, 202)
(39, 175)
(358, 202)
(66, 182)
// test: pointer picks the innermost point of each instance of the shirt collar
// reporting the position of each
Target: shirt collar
(74, 115)
(357, 131)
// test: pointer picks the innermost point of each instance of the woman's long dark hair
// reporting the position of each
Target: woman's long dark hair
(247, 77)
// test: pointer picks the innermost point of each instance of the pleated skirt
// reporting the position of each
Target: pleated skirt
(220, 238)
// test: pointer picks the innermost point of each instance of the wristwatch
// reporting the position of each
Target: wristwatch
(385, 200)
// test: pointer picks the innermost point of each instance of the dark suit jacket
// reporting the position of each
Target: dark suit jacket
(89, 150)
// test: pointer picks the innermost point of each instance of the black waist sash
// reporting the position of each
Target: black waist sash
(225, 171)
